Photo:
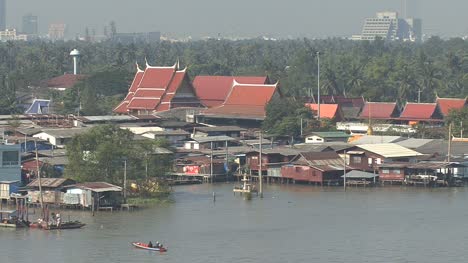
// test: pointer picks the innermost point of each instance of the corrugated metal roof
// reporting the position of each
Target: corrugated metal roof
(97, 187)
(213, 139)
(109, 118)
(414, 143)
(50, 182)
(373, 139)
(389, 150)
(64, 133)
(331, 134)
(219, 129)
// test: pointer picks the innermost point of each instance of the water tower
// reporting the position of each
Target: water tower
(76, 56)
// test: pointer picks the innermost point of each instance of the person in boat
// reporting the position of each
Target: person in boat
(157, 244)
(150, 244)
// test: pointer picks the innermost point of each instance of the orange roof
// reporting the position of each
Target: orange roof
(328, 111)
(121, 108)
(157, 77)
(379, 110)
(420, 111)
(245, 100)
(143, 104)
(149, 93)
(213, 90)
(136, 80)
(153, 86)
(447, 104)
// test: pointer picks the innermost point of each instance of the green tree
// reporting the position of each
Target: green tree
(284, 116)
(99, 155)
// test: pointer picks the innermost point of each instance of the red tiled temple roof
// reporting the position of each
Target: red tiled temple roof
(213, 90)
(379, 110)
(245, 100)
(149, 93)
(157, 77)
(328, 111)
(143, 104)
(153, 87)
(420, 111)
(447, 104)
(136, 80)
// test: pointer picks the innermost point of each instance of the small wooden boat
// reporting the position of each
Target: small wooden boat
(64, 225)
(11, 220)
(145, 246)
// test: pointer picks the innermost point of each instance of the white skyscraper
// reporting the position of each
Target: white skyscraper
(388, 26)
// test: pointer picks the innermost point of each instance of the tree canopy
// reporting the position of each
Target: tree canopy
(100, 154)
(378, 70)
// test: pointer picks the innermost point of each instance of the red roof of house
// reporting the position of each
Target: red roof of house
(420, 111)
(328, 111)
(213, 90)
(379, 110)
(64, 81)
(447, 104)
(245, 100)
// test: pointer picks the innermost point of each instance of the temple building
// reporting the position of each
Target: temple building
(245, 103)
(158, 89)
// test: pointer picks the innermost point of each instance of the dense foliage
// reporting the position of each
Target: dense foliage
(100, 154)
(379, 71)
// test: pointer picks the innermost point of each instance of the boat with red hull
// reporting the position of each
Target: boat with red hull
(145, 246)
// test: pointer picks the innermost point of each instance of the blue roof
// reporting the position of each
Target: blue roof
(39, 107)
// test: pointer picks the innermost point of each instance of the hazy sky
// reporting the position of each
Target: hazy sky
(296, 18)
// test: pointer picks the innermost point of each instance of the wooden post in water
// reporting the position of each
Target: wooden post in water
(344, 171)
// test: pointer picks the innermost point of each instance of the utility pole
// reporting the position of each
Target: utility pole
(419, 95)
(260, 171)
(318, 85)
(125, 181)
(227, 161)
(211, 162)
(146, 165)
(41, 199)
(449, 143)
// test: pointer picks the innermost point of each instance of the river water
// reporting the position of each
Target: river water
(292, 223)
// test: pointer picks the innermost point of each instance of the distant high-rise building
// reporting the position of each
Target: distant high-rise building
(57, 31)
(2, 15)
(30, 24)
(146, 37)
(388, 26)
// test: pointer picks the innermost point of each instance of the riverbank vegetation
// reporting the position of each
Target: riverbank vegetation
(378, 70)
(108, 153)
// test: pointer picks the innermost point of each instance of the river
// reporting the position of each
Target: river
(292, 223)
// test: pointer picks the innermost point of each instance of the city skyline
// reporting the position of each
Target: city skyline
(299, 18)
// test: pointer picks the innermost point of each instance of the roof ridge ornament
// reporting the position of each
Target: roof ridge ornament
(147, 65)
(138, 67)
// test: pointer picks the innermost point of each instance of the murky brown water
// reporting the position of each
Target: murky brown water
(291, 224)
